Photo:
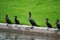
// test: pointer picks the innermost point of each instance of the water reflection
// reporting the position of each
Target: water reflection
(12, 36)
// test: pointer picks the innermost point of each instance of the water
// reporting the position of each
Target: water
(13, 36)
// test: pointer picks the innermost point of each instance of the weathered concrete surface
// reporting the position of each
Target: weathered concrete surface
(24, 29)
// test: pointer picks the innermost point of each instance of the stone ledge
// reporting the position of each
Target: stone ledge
(26, 30)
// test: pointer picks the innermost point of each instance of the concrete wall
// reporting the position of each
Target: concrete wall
(27, 30)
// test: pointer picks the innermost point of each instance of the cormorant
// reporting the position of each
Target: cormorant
(33, 23)
(16, 20)
(58, 24)
(48, 24)
(7, 20)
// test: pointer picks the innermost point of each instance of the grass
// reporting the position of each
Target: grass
(40, 10)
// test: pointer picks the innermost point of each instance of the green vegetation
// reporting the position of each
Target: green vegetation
(40, 9)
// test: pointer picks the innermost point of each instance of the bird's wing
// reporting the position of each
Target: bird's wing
(32, 22)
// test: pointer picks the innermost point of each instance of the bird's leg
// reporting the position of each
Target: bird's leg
(58, 29)
(32, 27)
(16, 25)
(47, 28)
(10, 26)
(7, 24)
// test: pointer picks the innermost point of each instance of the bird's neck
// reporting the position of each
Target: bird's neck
(46, 21)
(57, 22)
(29, 16)
(15, 18)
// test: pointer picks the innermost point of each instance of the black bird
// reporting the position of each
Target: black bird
(48, 24)
(7, 20)
(58, 24)
(16, 20)
(33, 23)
